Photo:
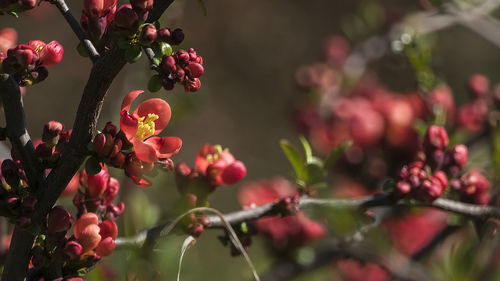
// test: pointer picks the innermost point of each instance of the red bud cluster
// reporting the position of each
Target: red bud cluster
(108, 145)
(54, 140)
(184, 68)
(28, 62)
(473, 187)
(98, 195)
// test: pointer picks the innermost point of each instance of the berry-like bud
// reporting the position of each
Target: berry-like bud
(234, 172)
(126, 19)
(195, 229)
(105, 247)
(436, 138)
(110, 128)
(163, 35)
(458, 155)
(177, 36)
(403, 188)
(168, 64)
(59, 220)
(478, 85)
(43, 150)
(429, 190)
(73, 249)
(148, 34)
(18, 58)
(192, 85)
(51, 54)
(182, 169)
(51, 132)
(194, 70)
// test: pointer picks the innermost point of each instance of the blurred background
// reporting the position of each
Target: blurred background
(251, 51)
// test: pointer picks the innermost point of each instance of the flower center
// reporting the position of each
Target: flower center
(146, 126)
(211, 158)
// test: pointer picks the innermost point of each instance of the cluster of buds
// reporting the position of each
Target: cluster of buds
(99, 192)
(149, 34)
(54, 140)
(93, 237)
(109, 143)
(473, 187)
(129, 16)
(28, 63)
(427, 178)
(213, 167)
(473, 115)
(16, 6)
(96, 17)
(184, 68)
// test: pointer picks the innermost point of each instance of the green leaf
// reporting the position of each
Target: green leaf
(336, 154)
(166, 49)
(156, 61)
(16, 15)
(154, 84)
(294, 157)
(307, 148)
(92, 166)
(133, 53)
(314, 174)
(203, 7)
(244, 227)
(82, 51)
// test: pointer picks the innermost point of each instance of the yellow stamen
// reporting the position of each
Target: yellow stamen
(146, 126)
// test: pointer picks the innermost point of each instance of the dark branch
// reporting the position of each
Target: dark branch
(75, 26)
(102, 74)
(149, 236)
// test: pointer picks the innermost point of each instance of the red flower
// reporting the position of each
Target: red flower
(142, 127)
(290, 230)
(219, 165)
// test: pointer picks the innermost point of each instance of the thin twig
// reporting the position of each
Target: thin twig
(379, 200)
(75, 26)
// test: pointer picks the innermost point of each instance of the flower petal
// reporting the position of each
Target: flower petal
(144, 151)
(129, 125)
(165, 147)
(158, 107)
(127, 101)
(142, 182)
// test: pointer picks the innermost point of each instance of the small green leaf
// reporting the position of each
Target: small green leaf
(294, 157)
(92, 166)
(307, 148)
(166, 49)
(336, 154)
(154, 84)
(82, 51)
(314, 174)
(156, 61)
(16, 15)
(133, 53)
(244, 227)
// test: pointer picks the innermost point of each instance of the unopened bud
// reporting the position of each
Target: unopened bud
(51, 132)
(177, 36)
(59, 220)
(73, 249)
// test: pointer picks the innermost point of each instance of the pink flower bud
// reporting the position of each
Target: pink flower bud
(110, 128)
(105, 247)
(51, 54)
(148, 34)
(51, 132)
(403, 188)
(111, 190)
(73, 249)
(86, 231)
(194, 70)
(458, 155)
(59, 220)
(108, 229)
(163, 35)
(192, 85)
(37, 45)
(99, 142)
(18, 58)
(195, 229)
(126, 19)
(182, 169)
(234, 172)
(429, 190)
(478, 85)
(442, 178)
(97, 184)
(436, 138)
(98, 8)
(168, 64)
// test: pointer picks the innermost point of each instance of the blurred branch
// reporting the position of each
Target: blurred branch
(476, 19)
(149, 236)
(101, 76)
(75, 26)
